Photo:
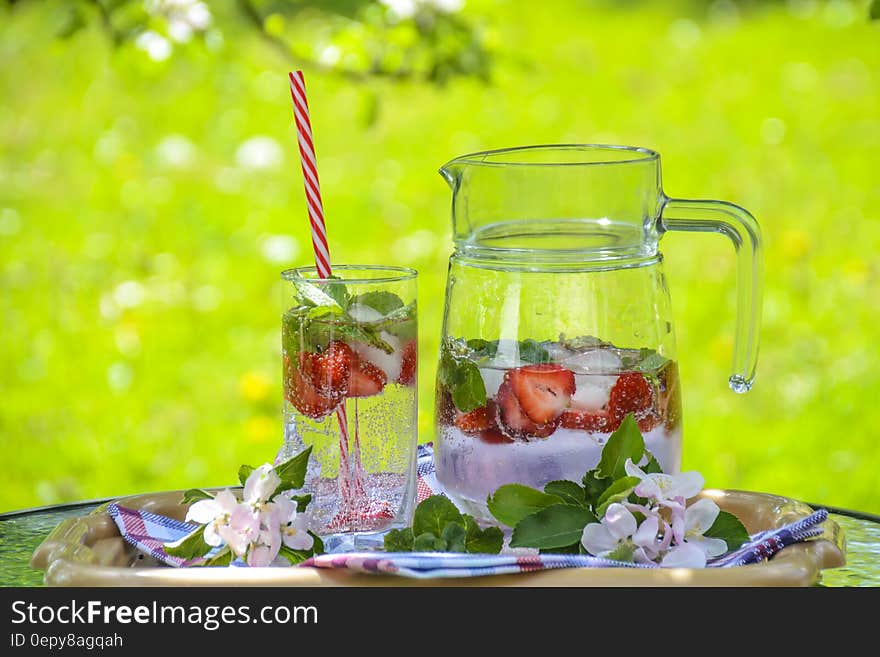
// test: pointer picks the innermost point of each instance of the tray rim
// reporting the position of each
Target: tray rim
(67, 557)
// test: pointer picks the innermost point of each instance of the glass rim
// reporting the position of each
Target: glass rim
(484, 158)
(395, 273)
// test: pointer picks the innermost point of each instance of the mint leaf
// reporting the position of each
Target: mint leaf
(728, 528)
(292, 471)
(190, 546)
(427, 542)
(453, 535)
(337, 291)
(482, 348)
(320, 296)
(625, 443)
(381, 301)
(470, 390)
(399, 540)
(222, 558)
(194, 495)
(433, 514)
(616, 492)
(568, 491)
(556, 526)
(482, 541)
(532, 352)
(244, 472)
(651, 361)
(511, 503)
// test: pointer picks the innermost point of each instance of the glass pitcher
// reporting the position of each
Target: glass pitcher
(558, 321)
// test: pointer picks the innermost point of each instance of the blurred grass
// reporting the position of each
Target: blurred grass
(140, 244)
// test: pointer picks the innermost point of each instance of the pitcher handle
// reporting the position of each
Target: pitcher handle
(742, 229)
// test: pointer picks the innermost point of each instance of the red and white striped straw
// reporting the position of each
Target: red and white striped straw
(310, 173)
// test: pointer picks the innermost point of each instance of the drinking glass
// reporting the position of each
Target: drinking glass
(349, 353)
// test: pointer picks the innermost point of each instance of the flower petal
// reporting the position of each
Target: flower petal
(686, 484)
(597, 539)
(620, 522)
(713, 547)
(646, 535)
(226, 501)
(632, 470)
(261, 483)
(684, 556)
(700, 516)
(203, 512)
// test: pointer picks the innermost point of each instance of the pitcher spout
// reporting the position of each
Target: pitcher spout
(452, 172)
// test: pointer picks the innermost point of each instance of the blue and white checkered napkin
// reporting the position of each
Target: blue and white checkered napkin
(149, 532)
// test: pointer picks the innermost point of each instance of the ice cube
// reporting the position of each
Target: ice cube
(391, 363)
(361, 313)
(591, 391)
(595, 361)
(491, 379)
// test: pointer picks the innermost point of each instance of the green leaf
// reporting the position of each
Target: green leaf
(728, 528)
(623, 552)
(337, 291)
(453, 535)
(294, 556)
(317, 543)
(244, 472)
(399, 540)
(531, 351)
(481, 541)
(302, 501)
(222, 558)
(321, 296)
(469, 391)
(427, 542)
(513, 502)
(292, 471)
(556, 526)
(568, 491)
(653, 466)
(482, 348)
(616, 492)
(380, 300)
(594, 486)
(190, 546)
(433, 514)
(574, 548)
(196, 494)
(625, 443)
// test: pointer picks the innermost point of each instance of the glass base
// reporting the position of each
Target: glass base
(355, 542)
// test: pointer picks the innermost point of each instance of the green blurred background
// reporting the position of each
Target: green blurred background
(150, 193)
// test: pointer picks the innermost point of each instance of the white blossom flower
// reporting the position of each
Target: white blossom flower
(665, 489)
(260, 485)
(241, 529)
(213, 513)
(689, 527)
(619, 531)
(294, 526)
(684, 556)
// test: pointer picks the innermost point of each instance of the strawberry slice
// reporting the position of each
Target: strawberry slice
(631, 393)
(408, 364)
(512, 419)
(591, 421)
(302, 393)
(366, 379)
(543, 391)
(494, 437)
(329, 370)
(477, 420)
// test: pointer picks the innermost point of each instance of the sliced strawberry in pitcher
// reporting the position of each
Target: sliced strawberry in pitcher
(513, 420)
(408, 364)
(631, 393)
(329, 370)
(366, 379)
(573, 418)
(477, 420)
(302, 393)
(494, 436)
(543, 391)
